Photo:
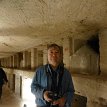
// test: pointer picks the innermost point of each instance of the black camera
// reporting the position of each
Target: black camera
(53, 96)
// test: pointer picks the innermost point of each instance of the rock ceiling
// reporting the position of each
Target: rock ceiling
(27, 23)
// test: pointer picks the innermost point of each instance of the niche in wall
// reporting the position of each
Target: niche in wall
(85, 59)
(40, 57)
(93, 43)
(20, 59)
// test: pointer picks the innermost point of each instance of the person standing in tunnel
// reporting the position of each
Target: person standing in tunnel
(52, 83)
(3, 79)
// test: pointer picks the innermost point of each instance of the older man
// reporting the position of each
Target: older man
(52, 83)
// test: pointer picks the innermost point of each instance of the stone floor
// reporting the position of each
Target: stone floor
(9, 99)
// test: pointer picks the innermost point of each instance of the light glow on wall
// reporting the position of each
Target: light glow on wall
(27, 97)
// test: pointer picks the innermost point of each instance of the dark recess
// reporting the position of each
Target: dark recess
(93, 43)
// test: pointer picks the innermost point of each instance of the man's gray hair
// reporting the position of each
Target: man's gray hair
(54, 46)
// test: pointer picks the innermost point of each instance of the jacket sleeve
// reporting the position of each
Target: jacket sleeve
(36, 88)
(70, 90)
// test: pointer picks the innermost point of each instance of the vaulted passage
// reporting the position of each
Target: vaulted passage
(28, 27)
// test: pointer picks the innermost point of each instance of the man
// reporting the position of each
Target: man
(3, 78)
(52, 83)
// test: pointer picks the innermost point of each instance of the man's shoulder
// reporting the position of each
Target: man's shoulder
(1, 69)
(42, 68)
(67, 71)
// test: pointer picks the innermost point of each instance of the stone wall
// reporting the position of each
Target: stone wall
(87, 82)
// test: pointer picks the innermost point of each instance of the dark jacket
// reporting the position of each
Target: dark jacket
(3, 77)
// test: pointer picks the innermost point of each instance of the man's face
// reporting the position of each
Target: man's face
(54, 56)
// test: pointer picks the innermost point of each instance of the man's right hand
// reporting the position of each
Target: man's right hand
(46, 96)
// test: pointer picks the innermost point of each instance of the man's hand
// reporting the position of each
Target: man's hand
(46, 96)
(60, 102)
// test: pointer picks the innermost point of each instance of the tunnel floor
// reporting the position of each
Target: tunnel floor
(9, 99)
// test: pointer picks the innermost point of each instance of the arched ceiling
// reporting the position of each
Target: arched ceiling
(27, 23)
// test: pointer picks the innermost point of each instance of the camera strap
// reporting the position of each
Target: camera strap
(60, 80)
